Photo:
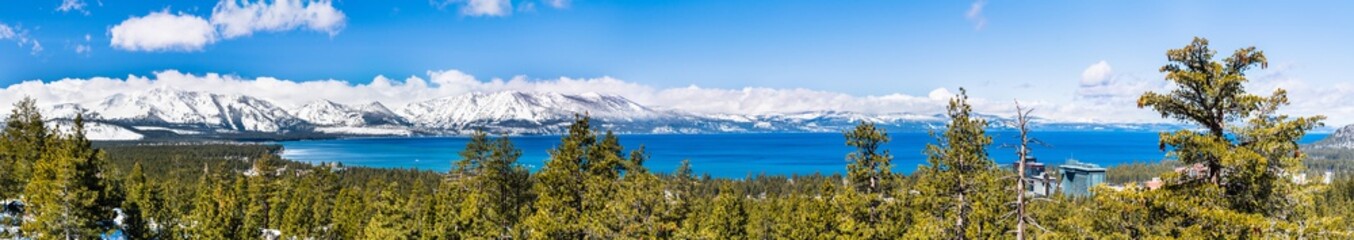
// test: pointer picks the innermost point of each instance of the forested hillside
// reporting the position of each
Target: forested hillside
(58, 185)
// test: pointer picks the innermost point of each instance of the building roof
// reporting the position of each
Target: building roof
(1075, 165)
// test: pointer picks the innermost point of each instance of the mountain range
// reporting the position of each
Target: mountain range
(1341, 138)
(166, 113)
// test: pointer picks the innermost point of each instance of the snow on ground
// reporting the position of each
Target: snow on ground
(100, 131)
(175, 131)
(365, 130)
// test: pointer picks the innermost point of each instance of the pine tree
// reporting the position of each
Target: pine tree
(451, 198)
(389, 218)
(350, 213)
(22, 143)
(725, 218)
(638, 206)
(560, 187)
(217, 210)
(680, 193)
(420, 213)
(300, 219)
(259, 195)
(503, 194)
(1243, 190)
(141, 196)
(67, 196)
(960, 196)
(603, 168)
(871, 179)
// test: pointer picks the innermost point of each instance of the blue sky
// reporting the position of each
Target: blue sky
(1041, 52)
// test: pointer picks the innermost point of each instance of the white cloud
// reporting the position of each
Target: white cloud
(1096, 74)
(6, 32)
(163, 31)
(1099, 85)
(20, 35)
(975, 14)
(72, 5)
(1330, 100)
(243, 19)
(477, 8)
(486, 7)
(940, 94)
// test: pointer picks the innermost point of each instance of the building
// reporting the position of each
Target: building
(1079, 177)
(1037, 180)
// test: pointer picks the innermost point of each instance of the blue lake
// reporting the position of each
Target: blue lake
(737, 155)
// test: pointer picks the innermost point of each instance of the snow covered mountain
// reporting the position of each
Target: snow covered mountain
(177, 108)
(171, 113)
(1342, 138)
(524, 112)
(331, 114)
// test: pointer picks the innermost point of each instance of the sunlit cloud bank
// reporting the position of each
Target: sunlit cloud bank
(168, 31)
(1100, 97)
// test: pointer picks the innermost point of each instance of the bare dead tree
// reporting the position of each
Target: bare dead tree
(1023, 152)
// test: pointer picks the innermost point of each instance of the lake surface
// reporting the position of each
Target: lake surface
(738, 155)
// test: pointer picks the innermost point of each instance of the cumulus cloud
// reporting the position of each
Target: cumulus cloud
(20, 35)
(243, 19)
(1100, 85)
(163, 31)
(1096, 74)
(975, 14)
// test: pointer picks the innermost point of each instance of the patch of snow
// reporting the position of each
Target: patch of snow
(175, 131)
(98, 131)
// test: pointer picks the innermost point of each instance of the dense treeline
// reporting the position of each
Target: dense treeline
(63, 187)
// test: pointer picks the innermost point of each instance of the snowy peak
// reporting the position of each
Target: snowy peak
(329, 113)
(376, 107)
(528, 108)
(196, 109)
(161, 112)
(1342, 138)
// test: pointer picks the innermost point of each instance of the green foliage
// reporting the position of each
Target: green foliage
(140, 197)
(1244, 190)
(24, 142)
(66, 195)
(389, 218)
(1138, 171)
(960, 195)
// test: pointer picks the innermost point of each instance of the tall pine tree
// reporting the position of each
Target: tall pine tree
(560, 187)
(22, 143)
(67, 196)
(959, 193)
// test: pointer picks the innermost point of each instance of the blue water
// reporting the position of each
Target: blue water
(738, 155)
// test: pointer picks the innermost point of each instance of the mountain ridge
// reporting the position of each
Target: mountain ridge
(1341, 138)
(174, 113)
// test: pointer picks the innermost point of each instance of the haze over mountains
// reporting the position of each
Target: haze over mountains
(171, 113)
